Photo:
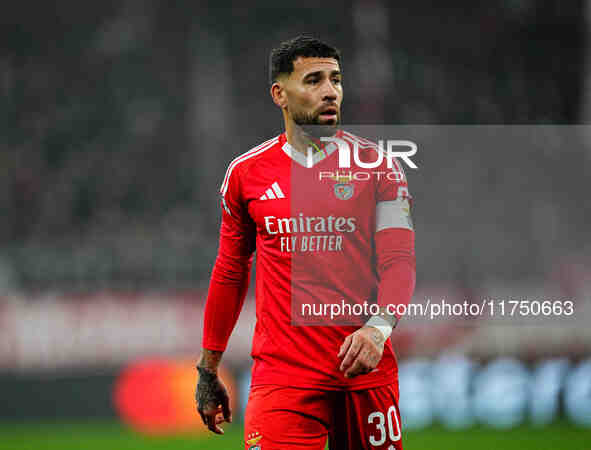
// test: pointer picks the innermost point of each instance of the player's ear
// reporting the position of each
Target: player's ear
(278, 94)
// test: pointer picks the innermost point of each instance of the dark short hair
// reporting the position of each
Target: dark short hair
(282, 57)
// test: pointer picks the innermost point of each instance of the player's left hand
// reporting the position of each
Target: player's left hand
(361, 351)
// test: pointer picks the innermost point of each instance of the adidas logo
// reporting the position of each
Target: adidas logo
(272, 193)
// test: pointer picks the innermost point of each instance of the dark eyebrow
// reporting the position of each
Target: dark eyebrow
(313, 74)
(319, 73)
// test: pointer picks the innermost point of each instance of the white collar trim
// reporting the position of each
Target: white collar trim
(312, 158)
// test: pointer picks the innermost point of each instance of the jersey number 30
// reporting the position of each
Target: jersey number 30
(379, 420)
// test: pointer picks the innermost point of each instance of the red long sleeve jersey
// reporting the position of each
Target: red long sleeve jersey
(325, 237)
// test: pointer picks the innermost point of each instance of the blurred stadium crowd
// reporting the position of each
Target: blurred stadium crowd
(119, 118)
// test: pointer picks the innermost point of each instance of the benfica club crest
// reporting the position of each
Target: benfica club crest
(253, 440)
(343, 191)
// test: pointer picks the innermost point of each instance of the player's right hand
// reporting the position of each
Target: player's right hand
(212, 400)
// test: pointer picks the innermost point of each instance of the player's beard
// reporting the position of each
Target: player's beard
(311, 125)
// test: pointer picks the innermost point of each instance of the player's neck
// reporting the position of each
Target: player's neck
(300, 140)
(297, 138)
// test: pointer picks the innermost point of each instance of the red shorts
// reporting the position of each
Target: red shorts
(285, 418)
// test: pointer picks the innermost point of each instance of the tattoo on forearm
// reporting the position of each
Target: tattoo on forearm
(210, 359)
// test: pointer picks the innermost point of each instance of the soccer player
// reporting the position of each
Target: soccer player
(323, 237)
